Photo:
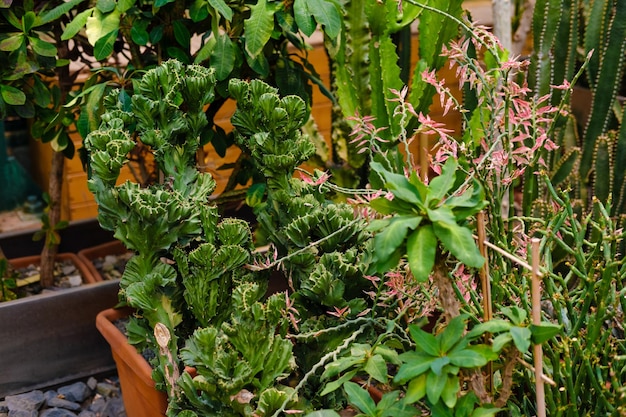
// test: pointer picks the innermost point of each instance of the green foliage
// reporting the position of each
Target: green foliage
(7, 281)
(425, 217)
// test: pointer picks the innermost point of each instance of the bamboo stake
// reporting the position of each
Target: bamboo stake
(536, 316)
(485, 286)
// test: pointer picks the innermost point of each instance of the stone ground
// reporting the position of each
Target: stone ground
(96, 396)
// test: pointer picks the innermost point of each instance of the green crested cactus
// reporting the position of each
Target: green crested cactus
(243, 358)
(593, 36)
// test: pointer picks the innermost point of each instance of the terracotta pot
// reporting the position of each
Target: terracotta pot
(141, 398)
(88, 255)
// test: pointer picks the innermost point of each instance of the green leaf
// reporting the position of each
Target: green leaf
(327, 14)
(105, 6)
(486, 412)
(12, 43)
(467, 358)
(181, 33)
(222, 8)
(334, 385)
(323, 413)
(434, 386)
(424, 341)
(450, 391)
(437, 365)
(124, 5)
(28, 21)
(98, 25)
(416, 389)
(415, 364)
(304, 18)
(258, 27)
(76, 24)
(500, 341)
(459, 242)
(223, 57)
(376, 367)
(441, 184)
(521, 338)
(399, 185)
(421, 248)
(515, 314)
(42, 47)
(392, 237)
(544, 332)
(12, 96)
(360, 398)
(453, 333)
(104, 46)
(492, 326)
(57, 12)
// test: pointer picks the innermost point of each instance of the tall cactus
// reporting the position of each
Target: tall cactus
(366, 68)
(594, 31)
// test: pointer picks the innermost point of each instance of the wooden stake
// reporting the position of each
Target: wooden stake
(485, 286)
(536, 317)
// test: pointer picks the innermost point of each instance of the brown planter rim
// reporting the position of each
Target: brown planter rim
(87, 255)
(88, 276)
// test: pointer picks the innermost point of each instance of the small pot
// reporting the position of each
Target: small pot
(141, 398)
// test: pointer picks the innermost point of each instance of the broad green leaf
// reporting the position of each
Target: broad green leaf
(223, 57)
(500, 341)
(459, 241)
(124, 5)
(450, 391)
(104, 46)
(57, 12)
(437, 365)
(12, 96)
(340, 365)
(222, 8)
(415, 364)
(376, 367)
(323, 413)
(334, 385)
(258, 27)
(12, 43)
(303, 17)
(105, 6)
(421, 248)
(206, 50)
(515, 314)
(98, 25)
(327, 14)
(395, 206)
(139, 34)
(434, 386)
(42, 47)
(544, 332)
(392, 237)
(181, 33)
(452, 333)
(441, 184)
(424, 341)
(467, 358)
(416, 389)
(28, 21)
(492, 326)
(398, 184)
(521, 338)
(360, 398)
(76, 24)
(485, 412)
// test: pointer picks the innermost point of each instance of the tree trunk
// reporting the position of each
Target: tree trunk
(55, 187)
